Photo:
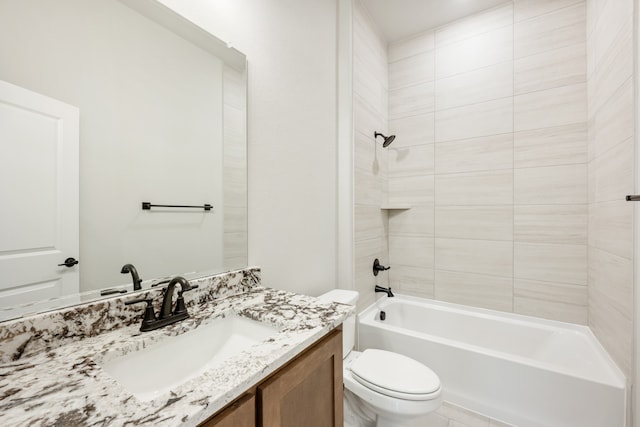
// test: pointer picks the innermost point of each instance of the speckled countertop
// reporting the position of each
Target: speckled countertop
(59, 382)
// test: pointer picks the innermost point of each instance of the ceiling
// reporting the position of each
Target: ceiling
(398, 19)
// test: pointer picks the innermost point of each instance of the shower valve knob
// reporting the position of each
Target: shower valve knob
(377, 267)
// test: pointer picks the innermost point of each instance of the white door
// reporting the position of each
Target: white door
(38, 196)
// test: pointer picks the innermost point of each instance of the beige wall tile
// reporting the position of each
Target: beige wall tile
(411, 251)
(478, 290)
(365, 119)
(368, 153)
(552, 107)
(474, 222)
(477, 188)
(591, 63)
(526, 9)
(614, 120)
(368, 189)
(563, 27)
(560, 145)
(368, 44)
(472, 121)
(549, 69)
(476, 154)
(615, 66)
(365, 251)
(415, 160)
(412, 280)
(413, 45)
(551, 185)
(235, 219)
(613, 329)
(484, 84)
(411, 101)
(369, 87)
(616, 18)
(417, 221)
(594, 9)
(369, 223)
(411, 71)
(591, 90)
(551, 262)
(474, 25)
(556, 301)
(611, 227)
(551, 224)
(613, 172)
(411, 190)
(612, 275)
(475, 52)
(413, 130)
(474, 256)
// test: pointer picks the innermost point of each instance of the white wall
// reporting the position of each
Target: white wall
(291, 49)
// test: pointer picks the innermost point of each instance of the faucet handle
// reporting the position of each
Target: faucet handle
(161, 282)
(188, 289)
(377, 267)
(180, 306)
(149, 313)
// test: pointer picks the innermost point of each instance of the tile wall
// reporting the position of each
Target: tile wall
(235, 168)
(370, 115)
(611, 171)
(491, 155)
(515, 150)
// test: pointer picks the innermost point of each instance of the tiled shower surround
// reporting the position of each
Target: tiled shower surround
(514, 151)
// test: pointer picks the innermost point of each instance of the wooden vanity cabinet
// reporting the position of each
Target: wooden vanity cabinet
(240, 413)
(305, 392)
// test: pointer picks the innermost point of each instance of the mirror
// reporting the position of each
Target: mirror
(162, 107)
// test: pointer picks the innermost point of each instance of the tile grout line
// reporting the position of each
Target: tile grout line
(513, 159)
(435, 82)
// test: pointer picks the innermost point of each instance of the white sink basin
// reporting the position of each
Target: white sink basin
(161, 366)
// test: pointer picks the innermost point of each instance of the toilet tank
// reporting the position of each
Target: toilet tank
(349, 326)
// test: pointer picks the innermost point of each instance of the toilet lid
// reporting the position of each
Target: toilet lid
(395, 375)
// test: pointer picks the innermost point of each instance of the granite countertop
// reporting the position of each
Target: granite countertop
(63, 385)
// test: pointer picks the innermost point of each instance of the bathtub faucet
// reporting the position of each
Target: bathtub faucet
(385, 290)
(377, 267)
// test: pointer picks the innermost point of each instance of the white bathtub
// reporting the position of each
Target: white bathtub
(521, 370)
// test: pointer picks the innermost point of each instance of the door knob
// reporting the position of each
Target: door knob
(69, 262)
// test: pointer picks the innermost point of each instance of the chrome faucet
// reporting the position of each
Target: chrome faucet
(166, 316)
(129, 268)
(385, 290)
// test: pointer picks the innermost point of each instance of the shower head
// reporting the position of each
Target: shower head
(387, 139)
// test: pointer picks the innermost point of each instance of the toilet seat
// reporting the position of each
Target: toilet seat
(395, 375)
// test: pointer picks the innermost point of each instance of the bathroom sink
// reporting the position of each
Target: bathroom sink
(160, 366)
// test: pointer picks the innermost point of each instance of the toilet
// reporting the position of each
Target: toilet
(382, 388)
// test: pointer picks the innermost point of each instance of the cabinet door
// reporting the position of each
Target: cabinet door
(241, 413)
(308, 391)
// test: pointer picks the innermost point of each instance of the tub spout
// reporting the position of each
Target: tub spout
(385, 290)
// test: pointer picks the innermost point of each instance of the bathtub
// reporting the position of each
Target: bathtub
(521, 370)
